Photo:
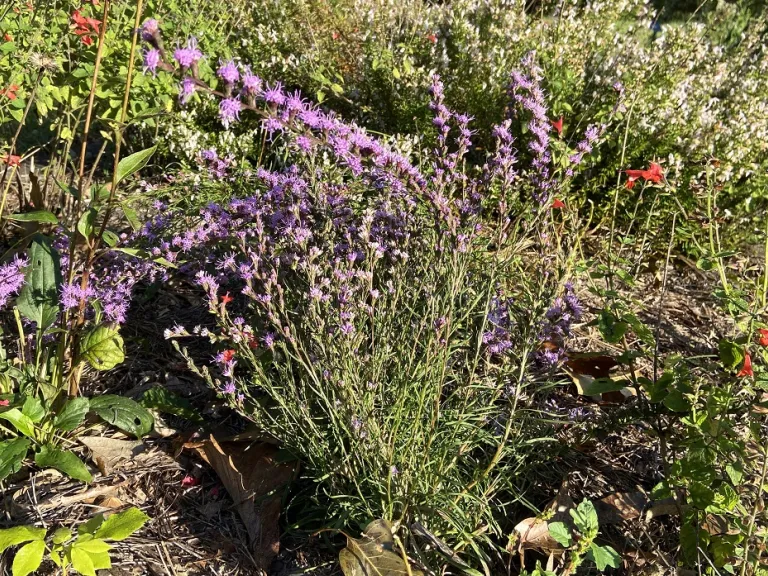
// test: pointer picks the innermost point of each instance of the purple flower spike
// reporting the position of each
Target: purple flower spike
(151, 60)
(189, 55)
(149, 29)
(11, 278)
(186, 90)
(229, 72)
(229, 111)
(251, 83)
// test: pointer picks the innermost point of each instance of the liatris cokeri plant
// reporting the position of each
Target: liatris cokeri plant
(383, 321)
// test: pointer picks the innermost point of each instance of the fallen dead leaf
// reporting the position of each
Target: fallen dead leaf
(600, 378)
(107, 453)
(254, 479)
(533, 533)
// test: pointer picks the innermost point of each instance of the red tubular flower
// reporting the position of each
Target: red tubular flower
(746, 370)
(558, 125)
(227, 355)
(654, 173)
(85, 26)
(12, 160)
(7, 37)
(226, 299)
(763, 339)
(630, 183)
(432, 38)
(558, 203)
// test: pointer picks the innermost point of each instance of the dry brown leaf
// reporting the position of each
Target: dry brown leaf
(620, 506)
(533, 533)
(585, 369)
(108, 452)
(254, 479)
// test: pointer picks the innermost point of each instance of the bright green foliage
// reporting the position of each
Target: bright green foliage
(84, 553)
(38, 300)
(102, 347)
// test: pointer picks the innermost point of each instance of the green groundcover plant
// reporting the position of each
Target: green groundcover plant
(83, 551)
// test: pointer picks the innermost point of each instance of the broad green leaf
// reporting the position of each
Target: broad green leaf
(20, 421)
(92, 525)
(61, 535)
(33, 409)
(560, 532)
(63, 461)
(133, 163)
(701, 495)
(126, 414)
(102, 347)
(72, 414)
(691, 539)
(18, 535)
(610, 327)
(676, 401)
(39, 299)
(164, 400)
(596, 386)
(374, 554)
(603, 556)
(119, 526)
(731, 354)
(12, 454)
(93, 546)
(101, 560)
(735, 472)
(28, 558)
(81, 561)
(42, 216)
(585, 518)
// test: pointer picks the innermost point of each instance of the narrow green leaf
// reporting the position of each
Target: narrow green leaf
(63, 461)
(42, 216)
(87, 222)
(133, 163)
(28, 558)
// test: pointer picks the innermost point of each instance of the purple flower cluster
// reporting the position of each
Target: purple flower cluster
(498, 337)
(11, 278)
(526, 91)
(189, 55)
(218, 167)
(565, 310)
(151, 60)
